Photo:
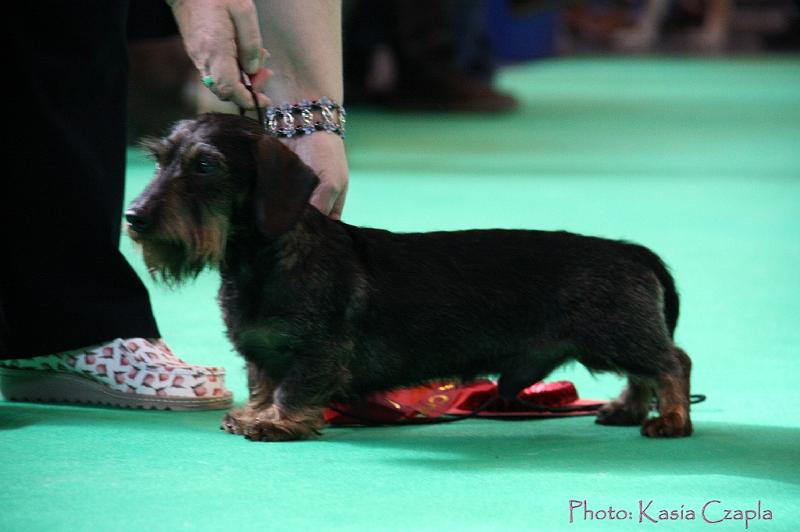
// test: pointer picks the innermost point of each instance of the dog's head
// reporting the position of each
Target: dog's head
(215, 175)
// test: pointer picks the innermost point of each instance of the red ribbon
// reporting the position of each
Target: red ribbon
(424, 404)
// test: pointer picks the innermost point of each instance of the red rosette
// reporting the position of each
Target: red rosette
(542, 399)
(427, 404)
(418, 404)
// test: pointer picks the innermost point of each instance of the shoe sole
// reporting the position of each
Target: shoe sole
(36, 386)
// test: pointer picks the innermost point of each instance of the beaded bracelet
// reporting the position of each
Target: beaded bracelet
(289, 120)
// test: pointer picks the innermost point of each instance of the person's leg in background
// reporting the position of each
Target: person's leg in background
(440, 52)
(65, 286)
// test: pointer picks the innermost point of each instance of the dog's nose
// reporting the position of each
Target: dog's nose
(139, 222)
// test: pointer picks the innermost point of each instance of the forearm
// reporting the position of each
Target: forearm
(304, 38)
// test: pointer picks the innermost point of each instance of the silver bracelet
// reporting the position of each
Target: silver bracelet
(304, 118)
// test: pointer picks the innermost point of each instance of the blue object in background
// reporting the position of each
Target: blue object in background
(520, 38)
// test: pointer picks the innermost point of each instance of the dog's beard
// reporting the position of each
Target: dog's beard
(181, 255)
(169, 262)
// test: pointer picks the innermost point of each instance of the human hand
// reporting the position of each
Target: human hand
(324, 153)
(222, 37)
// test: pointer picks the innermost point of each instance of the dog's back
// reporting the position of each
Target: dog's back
(466, 303)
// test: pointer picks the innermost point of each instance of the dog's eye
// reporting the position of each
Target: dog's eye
(204, 166)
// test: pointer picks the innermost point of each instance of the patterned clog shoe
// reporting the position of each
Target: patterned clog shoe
(128, 373)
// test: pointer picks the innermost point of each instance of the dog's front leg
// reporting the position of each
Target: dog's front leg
(295, 408)
(274, 423)
(261, 390)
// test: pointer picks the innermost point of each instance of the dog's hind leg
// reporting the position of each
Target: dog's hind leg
(670, 384)
(672, 389)
(632, 405)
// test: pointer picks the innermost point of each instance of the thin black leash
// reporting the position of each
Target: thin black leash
(249, 85)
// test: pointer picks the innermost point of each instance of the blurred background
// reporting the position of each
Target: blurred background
(444, 55)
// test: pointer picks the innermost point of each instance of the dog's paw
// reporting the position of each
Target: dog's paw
(269, 425)
(265, 430)
(232, 421)
(619, 414)
(671, 425)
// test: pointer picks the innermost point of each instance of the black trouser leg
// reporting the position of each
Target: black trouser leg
(64, 283)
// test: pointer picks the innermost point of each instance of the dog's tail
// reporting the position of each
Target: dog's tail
(661, 271)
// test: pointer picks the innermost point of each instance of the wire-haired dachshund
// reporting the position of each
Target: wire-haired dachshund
(324, 311)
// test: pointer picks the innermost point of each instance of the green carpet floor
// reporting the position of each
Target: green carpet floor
(698, 159)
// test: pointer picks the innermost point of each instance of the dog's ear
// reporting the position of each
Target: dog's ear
(283, 186)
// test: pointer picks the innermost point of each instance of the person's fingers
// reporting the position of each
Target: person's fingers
(323, 198)
(257, 83)
(223, 72)
(259, 79)
(329, 200)
(223, 38)
(227, 84)
(324, 154)
(248, 36)
(263, 56)
(338, 206)
(243, 98)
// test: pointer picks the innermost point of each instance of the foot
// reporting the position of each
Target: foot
(129, 373)
(671, 425)
(631, 407)
(615, 413)
(270, 424)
